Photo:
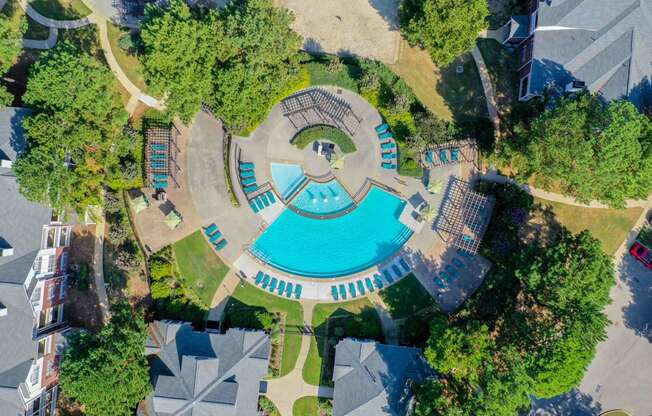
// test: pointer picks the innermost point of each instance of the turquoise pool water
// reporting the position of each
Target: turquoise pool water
(338, 246)
(287, 177)
(323, 198)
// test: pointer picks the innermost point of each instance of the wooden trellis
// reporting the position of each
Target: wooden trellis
(161, 153)
(316, 106)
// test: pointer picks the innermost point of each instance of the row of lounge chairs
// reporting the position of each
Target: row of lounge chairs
(443, 155)
(158, 160)
(387, 147)
(215, 237)
(445, 277)
(262, 201)
(247, 177)
(360, 287)
(278, 286)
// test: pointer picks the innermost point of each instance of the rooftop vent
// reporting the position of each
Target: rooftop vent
(6, 163)
(6, 252)
(3, 310)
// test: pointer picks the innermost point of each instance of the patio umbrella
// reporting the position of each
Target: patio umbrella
(172, 220)
(139, 204)
(430, 214)
(435, 187)
(337, 162)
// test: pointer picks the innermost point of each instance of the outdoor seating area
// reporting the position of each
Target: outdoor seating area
(388, 275)
(388, 147)
(161, 154)
(247, 176)
(460, 151)
(262, 201)
(317, 106)
(444, 278)
(215, 237)
(278, 286)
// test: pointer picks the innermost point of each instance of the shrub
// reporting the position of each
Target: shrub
(332, 134)
(82, 282)
(126, 43)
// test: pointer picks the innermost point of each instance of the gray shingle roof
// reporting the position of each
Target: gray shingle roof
(605, 43)
(199, 373)
(375, 379)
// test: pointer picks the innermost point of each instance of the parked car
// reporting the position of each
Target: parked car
(642, 254)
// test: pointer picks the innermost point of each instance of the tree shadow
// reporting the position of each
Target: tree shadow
(573, 403)
(388, 10)
(312, 45)
(637, 315)
(641, 95)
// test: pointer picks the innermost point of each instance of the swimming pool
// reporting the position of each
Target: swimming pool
(323, 198)
(287, 178)
(338, 246)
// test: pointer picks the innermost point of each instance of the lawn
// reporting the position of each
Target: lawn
(502, 66)
(312, 406)
(331, 323)
(61, 9)
(15, 13)
(406, 297)
(198, 266)
(247, 298)
(610, 226)
(332, 134)
(129, 62)
(462, 92)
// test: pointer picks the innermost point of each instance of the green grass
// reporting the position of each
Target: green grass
(129, 63)
(199, 267)
(356, 318)
(463, 92)
(503, 70)
(254, 297)
(310, 406)
(320, 75)
(610, 226)
(61, 9)
(332, 134)
(15, 13)
(406, 297)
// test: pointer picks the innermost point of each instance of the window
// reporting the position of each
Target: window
(63, 261)
(36, 297)
(50, 368)
(51, 291)
(51, 232)
(524, 86)
(63, 236)
(34, 376)
(37, 264)
(42, 347)
(51, 263)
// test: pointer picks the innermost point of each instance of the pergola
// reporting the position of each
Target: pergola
(161, 154)
(464, 216)
(316, 106)
(453, 152)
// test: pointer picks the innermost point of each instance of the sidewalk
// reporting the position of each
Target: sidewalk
(98, 266)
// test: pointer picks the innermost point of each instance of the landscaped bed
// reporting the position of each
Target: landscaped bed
(312, 406)
(407, 297)
(127, 59)
(331, 323)
(61, 9)
(331, 134)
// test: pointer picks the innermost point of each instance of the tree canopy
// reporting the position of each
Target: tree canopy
(75, 133)
(11, 45)
(107, 372)
(445, 28)
(238, 60)
(587, 149)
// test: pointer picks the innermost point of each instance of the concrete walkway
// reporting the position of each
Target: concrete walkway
(58, 24)
(390, 331)
(488, 88)
(48, 43)
(286, 390)
(98, 265)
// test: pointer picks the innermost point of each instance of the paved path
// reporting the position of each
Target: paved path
(286, 390)
(390, 331)
(98, 265)
(48, 43)
(488, 88)
(224, 291)
(58, 24)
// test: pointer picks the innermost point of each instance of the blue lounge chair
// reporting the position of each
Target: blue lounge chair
(160, 177)
(397, 271)
(247, 166)
(263, 197)
(249, 189)
(451, 270)
(334, 293)
(288, 290)
(388, 276)
(281, 287)
(388, 156)
(297, 291)
(221, 244)
(464, 253)
(360, 287)
(440, 282)
(158, 156)
(266, 280)
(271, 197)
(259, 203)
(352, 289)
(442, 156)
(247, 174)
(386, 135)
(272, 284)
(342, 292)
(404, 265)
(253, 206)
(370, 285)
(159, 147)
(210, 229)
(388, 165)
(215, 237)
(382, 128)
(259, 277)
(379, 281)
(157, 165)
(429, 157)
(388, 145)
(160, 185)
(248, 181)
(445, 276)
(458, 263)
(455, 154)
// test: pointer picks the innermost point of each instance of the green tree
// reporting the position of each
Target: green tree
(11, 45)
(75, 133)
(181, 46)
(589, 150)
(445, 28)
(107, 372)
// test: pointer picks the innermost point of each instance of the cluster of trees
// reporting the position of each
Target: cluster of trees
(445, 28)
(76, 132)
(107, 372)
(10, 48)
(586, 148)
(238, 60)
(532, 329)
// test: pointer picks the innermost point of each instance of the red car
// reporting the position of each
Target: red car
(642, 254)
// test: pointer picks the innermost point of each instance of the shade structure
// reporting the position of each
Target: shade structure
(337, 162)
(139, 204)
(172, 220)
